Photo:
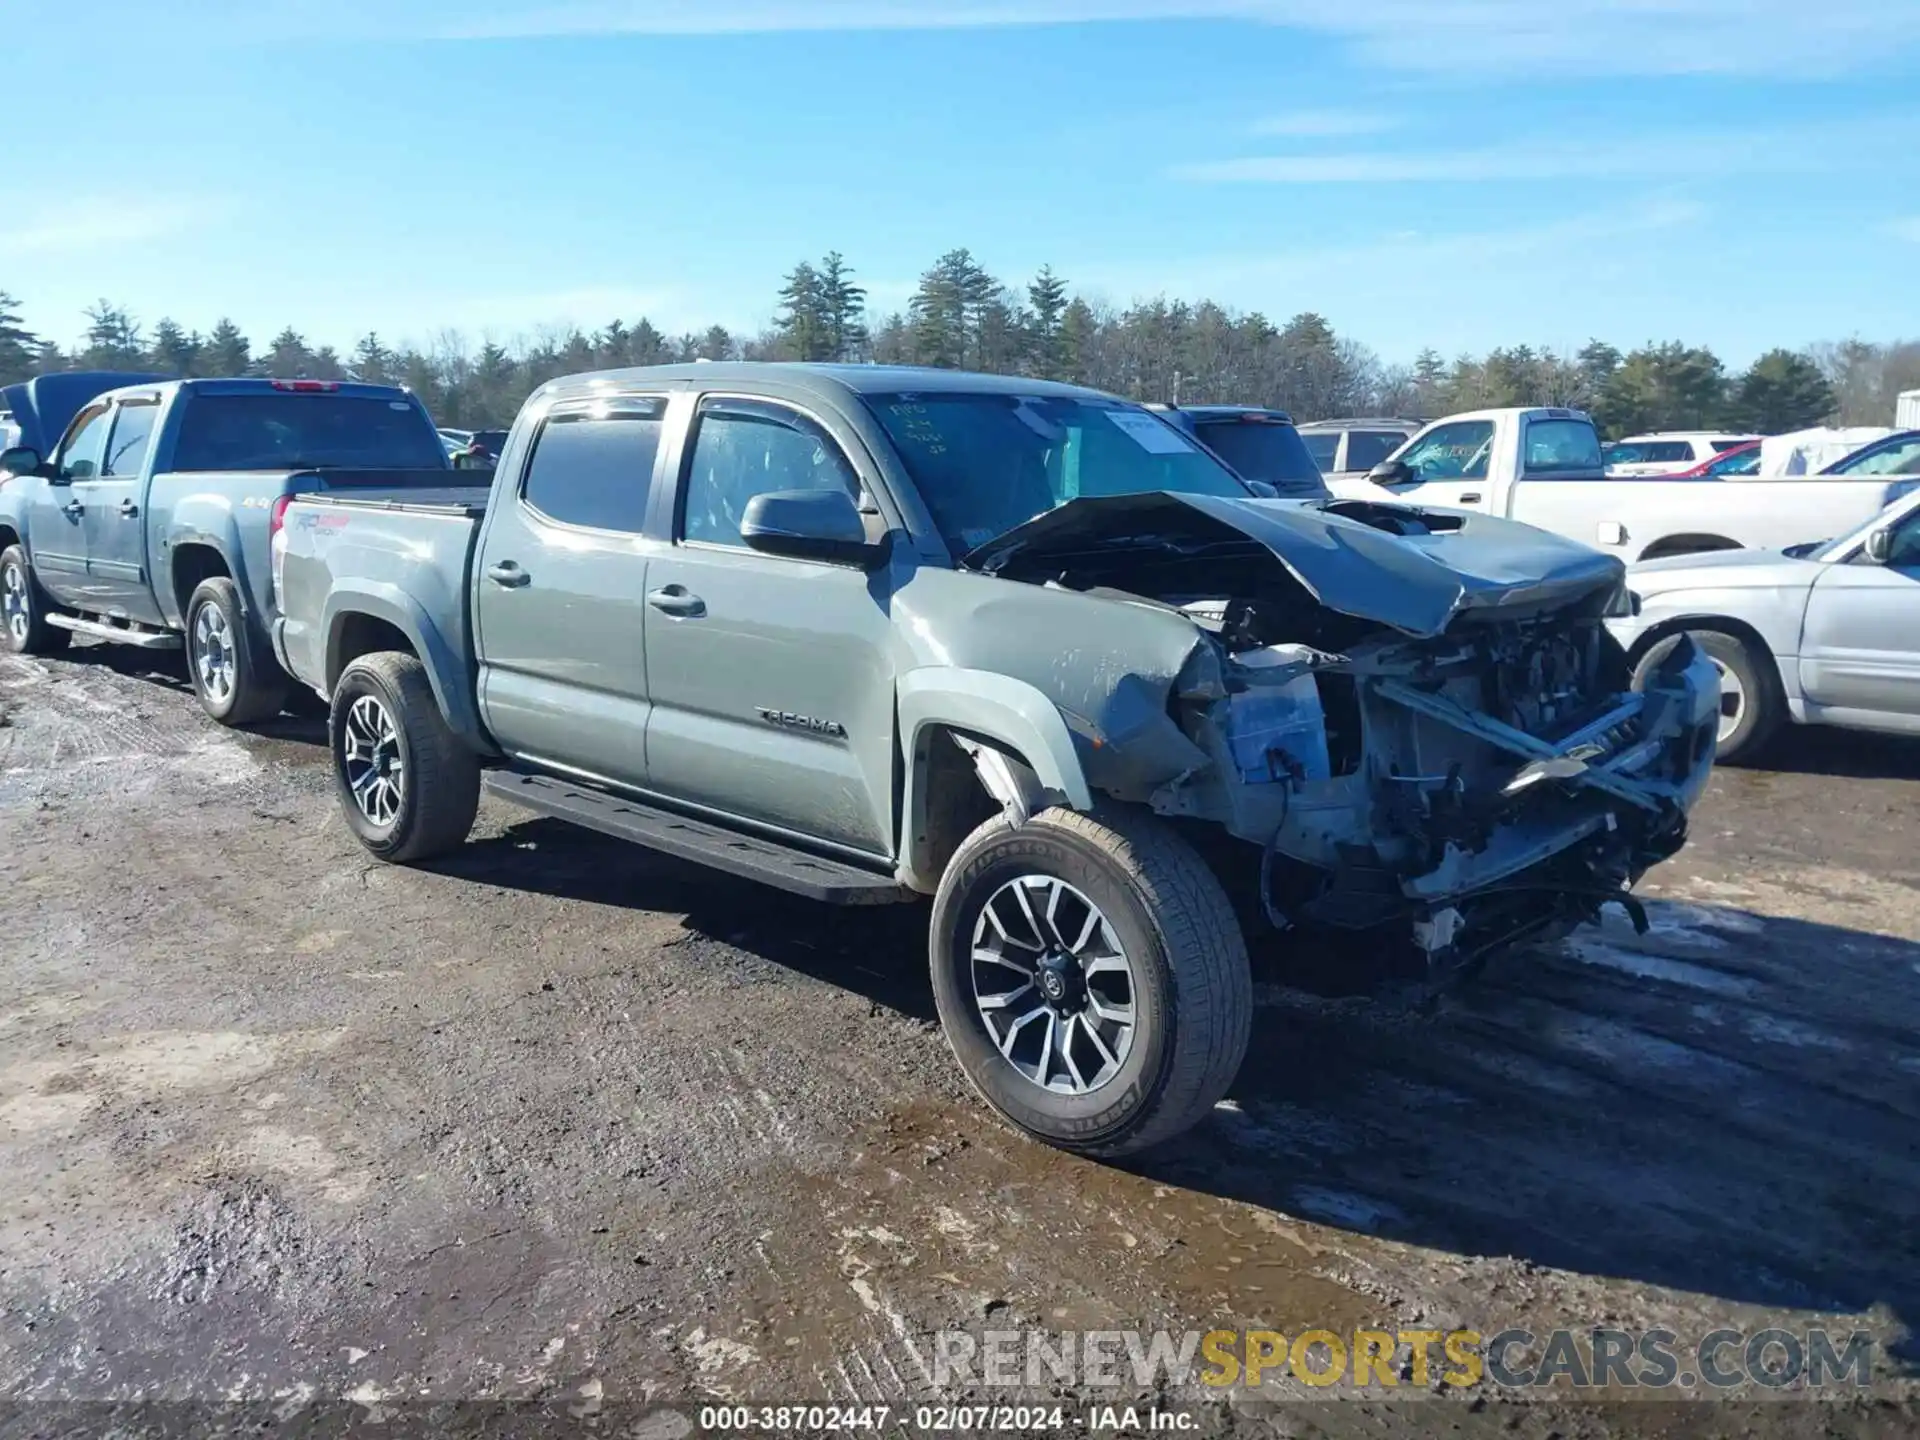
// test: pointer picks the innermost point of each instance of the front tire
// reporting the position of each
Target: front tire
(1091, 978)
(408, 785)
(23, 608)
(235, 685)
(1752, 706)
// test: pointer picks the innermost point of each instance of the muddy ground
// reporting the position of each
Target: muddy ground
(561, 1120)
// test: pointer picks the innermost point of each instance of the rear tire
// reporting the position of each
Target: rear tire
(236, 685)
(408, 785)
(26, 631)
(1162, 948)
(1752, 704)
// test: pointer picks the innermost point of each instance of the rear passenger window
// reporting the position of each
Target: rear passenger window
(593, 463)
(132, 433)
(745, 448)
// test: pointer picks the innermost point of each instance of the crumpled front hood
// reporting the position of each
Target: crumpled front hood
(1344, 552)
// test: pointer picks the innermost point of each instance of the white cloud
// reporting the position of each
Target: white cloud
(97, 223)
(1430, 260)
(1906, 229)
(1696, 155)
(1323, 124)
(1515, 39)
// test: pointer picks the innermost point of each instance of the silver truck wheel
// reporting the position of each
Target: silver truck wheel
(1053, 984)
(236, 685)
(1091, 978)
(376, 774)
(408, 785)
(23, 622)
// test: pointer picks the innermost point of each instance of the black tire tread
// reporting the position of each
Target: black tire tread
(1206, 950)
(443, 772)
(260, 685)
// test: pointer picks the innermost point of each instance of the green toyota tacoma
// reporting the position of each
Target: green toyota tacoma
(877, 634)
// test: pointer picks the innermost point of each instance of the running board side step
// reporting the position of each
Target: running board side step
(747, 856)
(119, 634)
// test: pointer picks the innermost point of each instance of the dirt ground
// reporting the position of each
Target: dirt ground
(561, 1120)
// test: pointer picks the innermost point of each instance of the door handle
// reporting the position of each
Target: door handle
(676, 600)
(508, 575)
(128, 509)
(73, 509)
(1472, 497)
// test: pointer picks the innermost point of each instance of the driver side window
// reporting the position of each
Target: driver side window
(744, 448)
(1452, 452)
(85, 446)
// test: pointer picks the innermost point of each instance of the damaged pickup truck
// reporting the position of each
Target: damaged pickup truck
(873, 634)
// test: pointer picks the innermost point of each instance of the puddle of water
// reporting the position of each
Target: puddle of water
(984, 1230)
(1345, 1209)
(1659, 967)
(1771, 1029)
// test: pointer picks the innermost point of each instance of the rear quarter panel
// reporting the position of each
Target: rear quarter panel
(408, 568)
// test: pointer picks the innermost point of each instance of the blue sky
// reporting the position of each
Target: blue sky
(1454, 173)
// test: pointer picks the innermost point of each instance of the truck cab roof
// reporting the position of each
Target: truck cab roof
(822, 379)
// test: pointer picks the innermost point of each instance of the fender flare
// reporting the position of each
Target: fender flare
(203, 520)
(1019, 741)
(444, 662)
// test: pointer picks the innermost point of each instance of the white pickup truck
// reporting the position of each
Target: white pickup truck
(1543, 467)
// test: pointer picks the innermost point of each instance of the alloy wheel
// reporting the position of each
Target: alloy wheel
(213, 658)
(1053, 985)
(370, 755)
(18, 605)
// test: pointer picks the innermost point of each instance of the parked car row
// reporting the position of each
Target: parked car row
(1544, 466)
(872, 635)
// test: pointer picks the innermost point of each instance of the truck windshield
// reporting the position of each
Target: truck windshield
(985, 463)
(1265, 450)
(299, 432)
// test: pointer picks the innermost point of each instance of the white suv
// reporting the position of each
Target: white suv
(1669, 453)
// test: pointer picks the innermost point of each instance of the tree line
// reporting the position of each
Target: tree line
(962, 316)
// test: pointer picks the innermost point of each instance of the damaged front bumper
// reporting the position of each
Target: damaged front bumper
(1463, 829)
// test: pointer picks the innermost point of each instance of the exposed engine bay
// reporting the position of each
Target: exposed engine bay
(1409, 718)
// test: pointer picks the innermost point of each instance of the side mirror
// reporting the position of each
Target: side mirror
(20, 460)
(810, 525)
(1391, 472)
(1879, 548)
(1262, 490)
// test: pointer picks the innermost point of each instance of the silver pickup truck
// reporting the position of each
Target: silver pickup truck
(149, 518)
(874, 634)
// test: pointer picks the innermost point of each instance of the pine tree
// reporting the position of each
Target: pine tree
(1048, 297)
(802, 320)
(113, 339)
(372, 361)
(174, 352)
(19, 347)
(227, 352)
(843, 308)
(1783, 391)
(289, 358)
(647, 345)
